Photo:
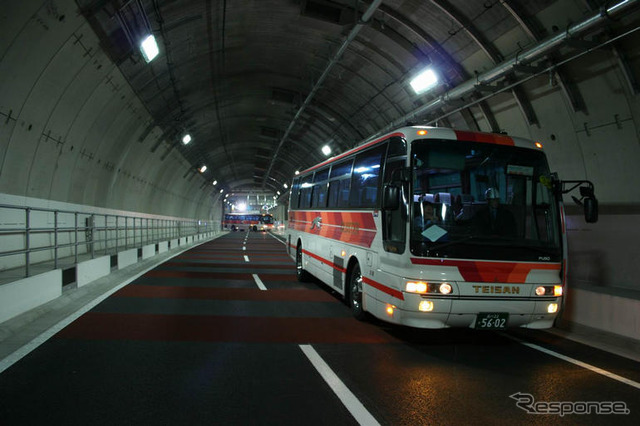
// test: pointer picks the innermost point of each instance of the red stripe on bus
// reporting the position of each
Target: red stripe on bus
(390, 291)
(325, 261)
(482, 271)
(461, 135)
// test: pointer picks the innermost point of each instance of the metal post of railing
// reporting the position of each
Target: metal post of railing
(75, 226)
(117, 232)
(27, 239)
(55, 239)
(92, 224)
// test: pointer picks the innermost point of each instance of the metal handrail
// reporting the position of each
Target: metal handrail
(30, 241)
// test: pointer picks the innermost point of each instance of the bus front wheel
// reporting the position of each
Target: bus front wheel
(355, 294)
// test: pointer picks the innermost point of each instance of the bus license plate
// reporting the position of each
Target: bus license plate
(492, 320)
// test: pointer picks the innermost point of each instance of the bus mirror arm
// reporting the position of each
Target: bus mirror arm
(587, 198)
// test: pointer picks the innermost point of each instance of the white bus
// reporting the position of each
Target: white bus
(248, 222)
(360, 222)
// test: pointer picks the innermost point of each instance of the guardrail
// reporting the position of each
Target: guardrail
(31, 235)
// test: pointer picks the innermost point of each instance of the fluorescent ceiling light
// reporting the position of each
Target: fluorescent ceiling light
(424, 81)
(149, 48)
(186, 139)
(215, 182)
(203, 169)
(326, 150)
(221, 191)
(286, 186)
(297, 172)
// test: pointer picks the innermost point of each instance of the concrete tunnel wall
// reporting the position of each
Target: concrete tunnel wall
(72, 130)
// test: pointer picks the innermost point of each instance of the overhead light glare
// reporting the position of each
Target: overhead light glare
(149, 48)
(424, 81)
(203, 169)
(326, 150)
(215, 182)
(186, 139)
(297, 172)
(286, 186)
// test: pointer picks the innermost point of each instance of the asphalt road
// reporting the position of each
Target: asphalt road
(224, 334)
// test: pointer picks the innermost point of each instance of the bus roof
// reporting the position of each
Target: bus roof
(411, 133)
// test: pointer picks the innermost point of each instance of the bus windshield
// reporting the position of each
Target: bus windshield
(482, 201)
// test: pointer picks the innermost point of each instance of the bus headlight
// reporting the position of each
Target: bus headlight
(416, 287)
(422, 287)
(552, 308)
(445, 288)
(549, 290)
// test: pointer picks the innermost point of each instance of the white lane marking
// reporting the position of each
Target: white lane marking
(246, 258)
(578, 363)
(259, 282)
(350, 401)
(273, 236)
(17, 355)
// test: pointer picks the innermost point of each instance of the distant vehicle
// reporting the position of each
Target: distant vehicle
(359, 223)
(248, 222)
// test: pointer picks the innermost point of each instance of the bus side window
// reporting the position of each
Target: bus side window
(364, 182)
(305, 192)
(339, 183)
(319, 198)
(295, 192)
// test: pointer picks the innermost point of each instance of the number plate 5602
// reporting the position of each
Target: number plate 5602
(492, 320)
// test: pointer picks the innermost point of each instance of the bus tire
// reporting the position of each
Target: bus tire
(355, 293)
(301, 274)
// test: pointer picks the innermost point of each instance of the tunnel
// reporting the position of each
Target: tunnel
(116, 160)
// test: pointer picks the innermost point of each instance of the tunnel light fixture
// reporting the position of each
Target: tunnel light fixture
(326, 150)
(221, 191)
(186, 139)
(424, 81)
(149, 48)
(215, 182)
(297, 172)
(203, 169)
(285, 186)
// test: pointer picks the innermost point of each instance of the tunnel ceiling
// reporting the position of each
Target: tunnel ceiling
(241, 76)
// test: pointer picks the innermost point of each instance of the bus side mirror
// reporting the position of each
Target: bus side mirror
(587, 196)
(590, 209)
(391, 197)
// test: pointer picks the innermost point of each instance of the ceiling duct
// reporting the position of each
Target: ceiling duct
(525, 57)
